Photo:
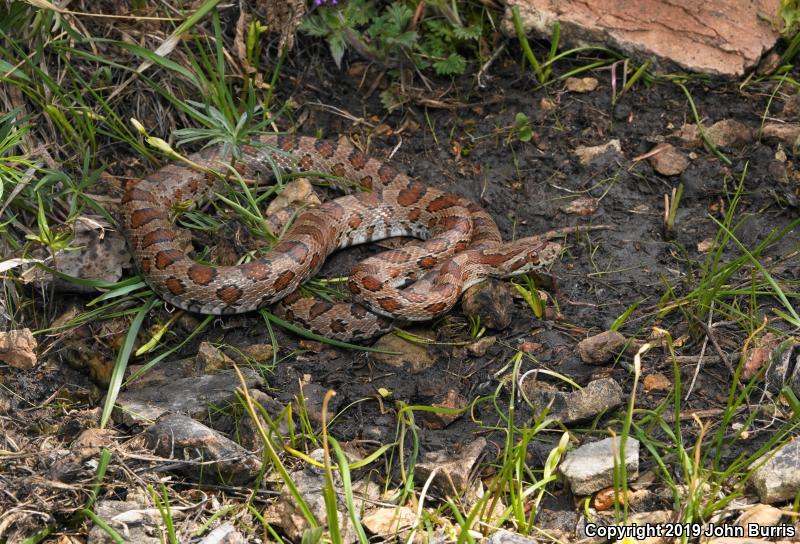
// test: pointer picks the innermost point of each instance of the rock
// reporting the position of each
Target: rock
(597, 397)
(729, 133)
(95, 252)
(452, 471)
(211, 359)
(604, 499)
(587, 154)
(479, 347)
(722, 37)
(296, 194)
(760, 514)
(590, 468)
(260, 353)
(440, 420)
(788, 133)
(508, 537)
(413, 356)
(309, 481)
(778, 479)
(600, 348)
(390, 522)
(18, 348)
(689, 134)
(581, 84)
(759, 353)
(656, 382)
(582, 206)
(547, 104)
(213, 456)
(667, 160)
(136, 519)
(491, 301)
(192, 395)
(224, 534)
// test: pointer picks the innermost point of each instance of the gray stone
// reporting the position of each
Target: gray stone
(590, 467)
(191, 395)
(508, 537)
(490, 301)
(600, 348)
(453, 470)
(597, 397)
(779, 478)
(201, 453)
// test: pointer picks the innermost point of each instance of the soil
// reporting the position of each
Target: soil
(458, 137)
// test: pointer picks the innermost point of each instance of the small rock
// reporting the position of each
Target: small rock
(440, 420)
(138, 520)
(704, 246)
(224, 534)
(656, 382)
(211, 359)
(260, 353)
(547, 104)
(508, 537)
(581, 84)
(582, 206)
(411, 355)
(191, 395)
(729, 133)
(604, 499)
(689, 134)
(390, 522)
(759, 354)
(788, 133)
(530, 347)
(297, 193)
(18, 348)
(778, 479)
(490, 301)
(452, 471)
(600, 348)
(590, 468)
(769, 63)
(667, 160)
(214, 457)
(309, 481)
(597, 397)
(760, 514)
(479, 347)
(587, 154)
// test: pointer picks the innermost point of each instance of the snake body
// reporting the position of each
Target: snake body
(461, 243)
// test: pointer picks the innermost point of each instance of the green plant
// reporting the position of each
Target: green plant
(391, 35)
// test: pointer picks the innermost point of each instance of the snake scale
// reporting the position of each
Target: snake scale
(461, 244)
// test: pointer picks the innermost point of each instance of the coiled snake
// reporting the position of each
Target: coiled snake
(461, 243)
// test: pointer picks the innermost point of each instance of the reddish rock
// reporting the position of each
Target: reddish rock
(722, 37)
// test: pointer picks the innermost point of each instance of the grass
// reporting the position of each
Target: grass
(103, 104)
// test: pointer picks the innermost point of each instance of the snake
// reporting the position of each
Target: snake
(457, 245)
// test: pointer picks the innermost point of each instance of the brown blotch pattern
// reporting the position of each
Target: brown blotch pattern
(357, 159)
(386, 173)
(229, 294)
(167, 257)
(426, 262)
(319, 308)
(283, 280)
(442, 202)
(339, 169)
(366, 182)
(145, 265)
(306, 163)
(325, 148)
(202, 274)
(175, 286)
(389, 304)
(371, 283)
(143, 216)
(156, 237)
(436, 307)
(137, 194)
(411, 194)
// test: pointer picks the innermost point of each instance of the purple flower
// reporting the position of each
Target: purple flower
(321, 2)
